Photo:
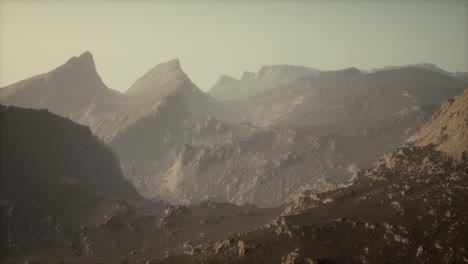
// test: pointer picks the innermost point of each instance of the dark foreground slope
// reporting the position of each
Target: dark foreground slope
(63, 198)
(55, 176)
(410, 207)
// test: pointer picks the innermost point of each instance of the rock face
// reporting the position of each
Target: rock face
(268, 77)
(308, 132)
(409, 207)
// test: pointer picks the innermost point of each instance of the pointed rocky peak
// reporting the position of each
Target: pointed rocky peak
(161, 80)
(84, 60)
(80, 70)
(166, 67)
(78, 75)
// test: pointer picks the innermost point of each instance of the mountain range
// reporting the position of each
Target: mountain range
(409, 207)
(296, 128)
(70, 204)
(353, 167)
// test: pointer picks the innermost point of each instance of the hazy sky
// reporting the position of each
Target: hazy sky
(127, 38)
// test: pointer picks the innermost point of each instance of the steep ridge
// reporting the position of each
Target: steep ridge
(408, 208)
(63, 199)
(66, 90)
(228, 88)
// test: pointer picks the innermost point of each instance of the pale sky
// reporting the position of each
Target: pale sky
(127, 38)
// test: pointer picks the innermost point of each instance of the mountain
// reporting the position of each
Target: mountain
(408, 208)
(268, 77)
(343, 95)
(63, 199)
(310, 134)
(66, 90)
(160, 81)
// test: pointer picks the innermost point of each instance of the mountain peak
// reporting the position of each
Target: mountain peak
(161, 79)
(173, 64)
(166, 67)
(84, 60)
(78, 69)
(86, 56)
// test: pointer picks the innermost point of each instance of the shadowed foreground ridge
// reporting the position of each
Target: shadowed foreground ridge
(410, 207)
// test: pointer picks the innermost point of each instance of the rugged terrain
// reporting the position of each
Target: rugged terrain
(409, 207)
(296, 129)
(63, 198)
(71, 192)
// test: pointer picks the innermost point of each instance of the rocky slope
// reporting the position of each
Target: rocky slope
(63, 198)
(270, 165)
(447, 129)
(408, 208)
(350, 120)
(55, 175)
